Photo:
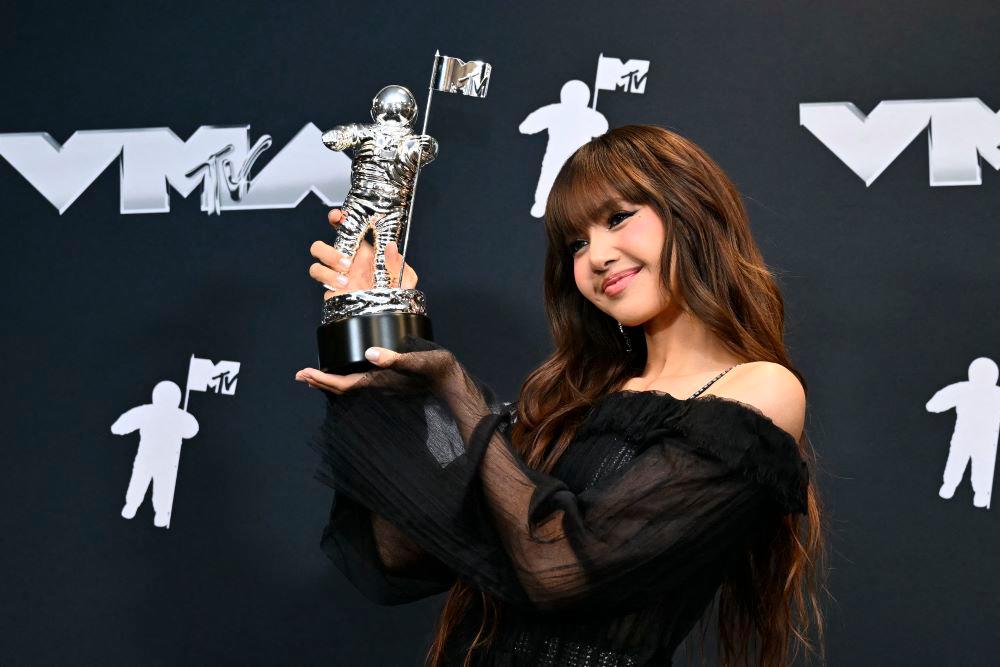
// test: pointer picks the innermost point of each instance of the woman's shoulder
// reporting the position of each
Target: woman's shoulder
(770, 389)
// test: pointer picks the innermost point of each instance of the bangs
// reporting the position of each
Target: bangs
(588, 189)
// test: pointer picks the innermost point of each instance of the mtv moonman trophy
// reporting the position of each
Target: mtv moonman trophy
(384, 172)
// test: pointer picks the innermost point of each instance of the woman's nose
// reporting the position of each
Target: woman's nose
(602, 251)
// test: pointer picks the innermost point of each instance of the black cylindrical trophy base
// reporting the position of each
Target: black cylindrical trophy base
(342, 343)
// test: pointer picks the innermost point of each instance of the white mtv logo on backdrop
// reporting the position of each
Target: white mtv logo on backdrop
(162, 427)
(218, 158)
(571, 123)
(977, 426)
(958, 132)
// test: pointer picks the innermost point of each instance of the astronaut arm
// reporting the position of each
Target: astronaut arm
(535, 122)
(126, 423)
(428, 148)
(423, 145)
(344, 137)
(190, 427)
(945, 399)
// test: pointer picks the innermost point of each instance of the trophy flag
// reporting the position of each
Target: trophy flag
(450, 75)
(204, 375)
(617, 74)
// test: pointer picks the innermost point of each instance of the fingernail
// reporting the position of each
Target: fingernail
(371, 354)
(341, 279)
(345, 262)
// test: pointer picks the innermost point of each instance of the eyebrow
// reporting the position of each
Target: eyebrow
(608, 207)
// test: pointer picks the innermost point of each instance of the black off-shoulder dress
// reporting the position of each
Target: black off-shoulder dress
(607, 562)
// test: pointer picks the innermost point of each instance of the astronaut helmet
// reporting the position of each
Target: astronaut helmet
(166, 394)
(394, 105)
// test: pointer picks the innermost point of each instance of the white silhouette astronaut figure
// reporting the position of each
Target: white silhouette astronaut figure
(977, 425)
(571, 124)
(162, 426)
(383, 169)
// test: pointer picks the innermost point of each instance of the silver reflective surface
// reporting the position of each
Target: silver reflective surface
(453, 75)
(152, 161)
(367, 302)
(386, 156)
(394, 104)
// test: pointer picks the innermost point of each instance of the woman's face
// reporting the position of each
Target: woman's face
(629, 242)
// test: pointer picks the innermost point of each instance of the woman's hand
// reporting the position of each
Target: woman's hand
(340, 273)
(338, 384)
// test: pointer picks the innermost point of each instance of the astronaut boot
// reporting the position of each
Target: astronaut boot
(128, 511)
(946, 491)
(161, 519)
(981, 499)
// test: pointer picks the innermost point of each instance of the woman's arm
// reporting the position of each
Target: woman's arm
(380, 561)
(522, 535)
(633, 537)
(379, 558)
(395, 550)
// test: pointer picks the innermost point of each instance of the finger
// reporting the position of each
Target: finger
(393, 259)
(329, 381)
(335, 216)
(363, 261)
(329, 278)
(409, 277)
(381, 356)
(365, 252)
(435, 366)
(363, 267)
(316, 385)
(330, 256)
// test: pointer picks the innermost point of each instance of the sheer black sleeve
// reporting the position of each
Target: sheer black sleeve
(376, 556)
(379, 559)
(425, 445)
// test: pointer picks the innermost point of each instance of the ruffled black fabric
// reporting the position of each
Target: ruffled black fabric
(430, 489)
(734, 432)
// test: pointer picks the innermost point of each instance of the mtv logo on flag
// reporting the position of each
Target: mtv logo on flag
(615, 74)
(453, 75)
(220, 378)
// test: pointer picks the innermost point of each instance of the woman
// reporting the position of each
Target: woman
(593, 522)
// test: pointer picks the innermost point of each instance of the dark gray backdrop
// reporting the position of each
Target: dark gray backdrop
(891, 292)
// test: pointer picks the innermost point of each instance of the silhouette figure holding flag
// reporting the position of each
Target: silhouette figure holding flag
(571, 123)
(162, 425)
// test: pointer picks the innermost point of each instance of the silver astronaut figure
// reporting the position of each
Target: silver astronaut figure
(386, 155)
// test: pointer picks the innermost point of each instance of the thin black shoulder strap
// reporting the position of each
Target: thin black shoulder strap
(709, 383)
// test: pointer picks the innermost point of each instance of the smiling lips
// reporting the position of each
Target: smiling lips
(617, 282)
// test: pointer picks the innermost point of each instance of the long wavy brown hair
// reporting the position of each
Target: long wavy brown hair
(768, 604)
